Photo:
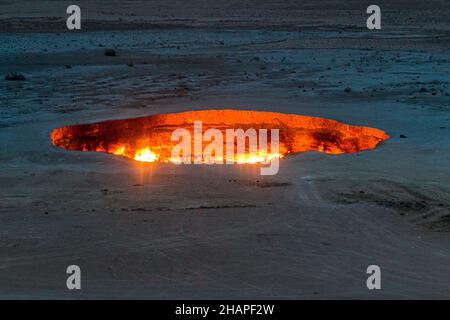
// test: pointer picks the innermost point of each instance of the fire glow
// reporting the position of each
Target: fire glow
(151, 138)
(145, 155)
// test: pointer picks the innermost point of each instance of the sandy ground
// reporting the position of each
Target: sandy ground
(163, 231)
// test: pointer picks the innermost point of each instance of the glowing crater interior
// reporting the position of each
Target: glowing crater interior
(148, 139)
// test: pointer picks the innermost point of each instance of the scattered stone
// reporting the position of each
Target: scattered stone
(14, 76)
(110, 52)
(402, 136)
(130, 64)
(423, 89)
(348, 89)
(68, 66)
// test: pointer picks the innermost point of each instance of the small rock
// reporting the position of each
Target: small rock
(348, 89)
(14, 76)
(402, 136)
(110, 52)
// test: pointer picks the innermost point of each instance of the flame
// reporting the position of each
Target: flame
(145, 155)
(261, 157)
(120, 151)
(213, 160)
(148, 139)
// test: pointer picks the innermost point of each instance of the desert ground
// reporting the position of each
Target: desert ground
(161, 231)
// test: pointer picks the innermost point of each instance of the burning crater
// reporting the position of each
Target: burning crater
(149, 139)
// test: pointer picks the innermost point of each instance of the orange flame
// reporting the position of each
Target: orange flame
(148, 139)
(145, 155)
